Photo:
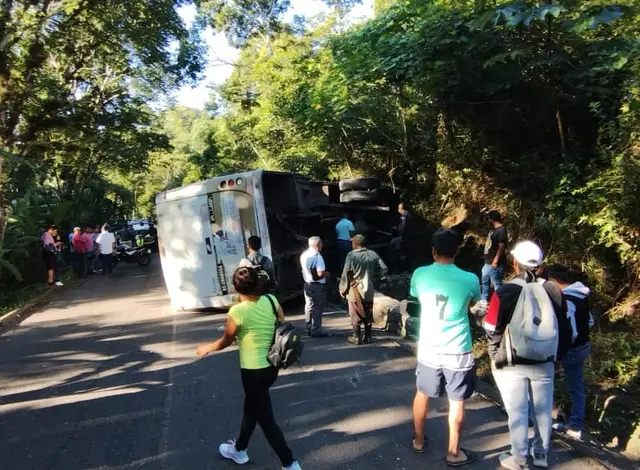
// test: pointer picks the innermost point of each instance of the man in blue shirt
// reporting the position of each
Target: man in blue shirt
(344, 231)
(446, 365)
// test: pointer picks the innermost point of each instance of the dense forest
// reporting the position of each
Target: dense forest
(529, 107)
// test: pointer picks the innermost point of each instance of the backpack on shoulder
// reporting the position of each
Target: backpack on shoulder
(287, 345)
(265, 283)
(532, 333)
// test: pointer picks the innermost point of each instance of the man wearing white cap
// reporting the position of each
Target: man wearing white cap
(528, 330)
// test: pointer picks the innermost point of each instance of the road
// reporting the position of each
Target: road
(105, 377)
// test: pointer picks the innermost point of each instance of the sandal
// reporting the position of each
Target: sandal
(471, 457)
(416, 449)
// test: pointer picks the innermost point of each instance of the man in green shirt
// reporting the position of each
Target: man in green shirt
(446, 365)
(356, 284)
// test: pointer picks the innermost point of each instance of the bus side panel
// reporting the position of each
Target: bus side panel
(188, 261)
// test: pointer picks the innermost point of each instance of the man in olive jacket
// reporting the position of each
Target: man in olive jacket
(361, 268)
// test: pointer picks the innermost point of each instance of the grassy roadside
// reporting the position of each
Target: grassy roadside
(10, 301)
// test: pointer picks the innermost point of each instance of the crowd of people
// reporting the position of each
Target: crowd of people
(536, 323)
(90, 250)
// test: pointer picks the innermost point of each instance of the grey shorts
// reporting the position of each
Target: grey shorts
(436, 382)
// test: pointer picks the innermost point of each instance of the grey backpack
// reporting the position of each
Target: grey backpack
(532, 332)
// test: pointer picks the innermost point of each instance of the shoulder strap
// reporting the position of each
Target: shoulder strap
(518, 281)
(273, 306)
(275, 313)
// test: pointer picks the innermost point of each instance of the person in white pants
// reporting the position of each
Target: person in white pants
(523, 383)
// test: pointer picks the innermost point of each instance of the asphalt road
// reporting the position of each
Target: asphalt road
(106, 378)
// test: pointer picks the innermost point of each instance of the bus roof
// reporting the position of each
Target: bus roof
(202, 187)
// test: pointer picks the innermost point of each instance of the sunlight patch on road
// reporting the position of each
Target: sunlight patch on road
(42, 403)
(369, 421)
(340, 456)
(64, 428)
(137, 464)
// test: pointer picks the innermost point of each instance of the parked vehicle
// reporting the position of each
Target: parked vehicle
(136, 254)
(203, 229)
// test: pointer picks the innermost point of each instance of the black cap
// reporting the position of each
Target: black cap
(494, 215)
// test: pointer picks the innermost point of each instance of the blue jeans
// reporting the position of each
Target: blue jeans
(491, 275)
(527, 390)
(573, 364)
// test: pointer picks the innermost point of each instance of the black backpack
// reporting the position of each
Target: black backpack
(287, 345)
(265, 283)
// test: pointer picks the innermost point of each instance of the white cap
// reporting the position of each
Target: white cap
(528, 254)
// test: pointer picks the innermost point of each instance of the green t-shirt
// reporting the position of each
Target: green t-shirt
(256, 322)
(445, 292)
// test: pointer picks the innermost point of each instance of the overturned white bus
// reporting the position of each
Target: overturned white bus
(203, 229)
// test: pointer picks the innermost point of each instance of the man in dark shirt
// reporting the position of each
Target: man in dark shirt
(495, 255)
(525, 383)
(579, 314)
(361, 268)
(407, 235)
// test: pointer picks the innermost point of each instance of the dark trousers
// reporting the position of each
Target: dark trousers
(358, 317)
(107, 263)
(79, 263)
(344, 247)
(258, 410)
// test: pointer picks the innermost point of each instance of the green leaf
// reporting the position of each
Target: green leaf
(11, 268)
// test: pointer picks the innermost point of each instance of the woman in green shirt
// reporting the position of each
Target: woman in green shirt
(252, 323)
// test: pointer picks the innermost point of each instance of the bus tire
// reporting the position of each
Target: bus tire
(362, 197)
(359, 183)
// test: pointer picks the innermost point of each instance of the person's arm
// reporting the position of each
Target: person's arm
(498, 316)
(226, 340)
(383, 268)
(352, 229)
(269, 268)
(321, 268)
(565, 331)
(413, 290)
(280, 313)
(571, 314)
(496, 259)
(475, 298)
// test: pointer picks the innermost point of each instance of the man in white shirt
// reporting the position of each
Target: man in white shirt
(106, 244)
(315, 277)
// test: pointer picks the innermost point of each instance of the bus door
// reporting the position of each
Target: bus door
(232, 221)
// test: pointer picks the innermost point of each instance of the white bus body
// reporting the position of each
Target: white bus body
(203, 230)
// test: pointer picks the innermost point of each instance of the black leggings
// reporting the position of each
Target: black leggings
(257, 409)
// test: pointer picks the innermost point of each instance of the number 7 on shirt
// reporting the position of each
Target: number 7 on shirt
(442, 299)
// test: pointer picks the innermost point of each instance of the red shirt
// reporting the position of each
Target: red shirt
(88, 238)
(79, 243)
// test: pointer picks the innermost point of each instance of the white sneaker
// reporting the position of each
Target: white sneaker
(558, 426)
(539, 459)
(59, 284)
(294, 466)
(228, 451)
(509, 462)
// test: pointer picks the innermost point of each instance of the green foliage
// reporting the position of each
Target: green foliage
(76, 81)
(242, 20)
